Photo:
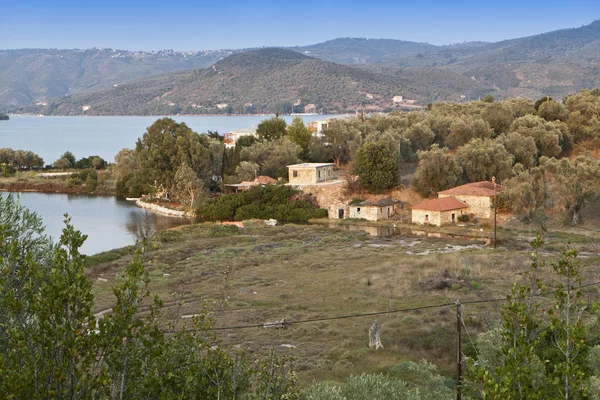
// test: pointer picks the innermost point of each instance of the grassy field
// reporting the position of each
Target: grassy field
(262, 273)
(30, 181)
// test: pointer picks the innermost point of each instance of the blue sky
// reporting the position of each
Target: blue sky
(196, 25)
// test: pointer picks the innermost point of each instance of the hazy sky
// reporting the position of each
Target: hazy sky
(199, 24)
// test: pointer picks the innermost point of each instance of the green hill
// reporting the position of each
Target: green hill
(265, 80)
(28, 75)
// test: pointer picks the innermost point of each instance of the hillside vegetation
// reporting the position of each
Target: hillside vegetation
(266, 80)
(28, 75)
(270, 80)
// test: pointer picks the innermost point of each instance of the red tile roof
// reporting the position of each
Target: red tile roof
(264, 180)
(441, 204)
(483, 188)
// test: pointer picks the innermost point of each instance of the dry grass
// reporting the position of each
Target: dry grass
(306, 272)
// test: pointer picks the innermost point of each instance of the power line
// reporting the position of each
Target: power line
(274, 324)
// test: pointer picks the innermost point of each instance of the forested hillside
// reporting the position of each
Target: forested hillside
(258, 81)
(271, 80)
(28, 75)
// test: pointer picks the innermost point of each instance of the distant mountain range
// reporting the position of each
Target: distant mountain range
(337, 75)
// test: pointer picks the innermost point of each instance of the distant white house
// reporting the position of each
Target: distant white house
(231, 138)
(316, 127)
(221, 106)
(86, 107)
(397, 99)
(310, 173)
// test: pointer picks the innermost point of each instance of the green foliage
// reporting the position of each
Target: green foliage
(170, 236)
(165, 147)
(516, 360)
(573, 183)
(95, 162)
(271, 129)
(89, 177)
(4, 117)
(279, 202)
(483, 159)
(272, 156)
(7, 170)
(61, 163)
(421, 382)
(548, 136)
(488, 98)
(52, 346)
(20, 158)
(298, 133)
(342, 138)
(376, 166)
(188, 187)
(438, 170)
(69, 157)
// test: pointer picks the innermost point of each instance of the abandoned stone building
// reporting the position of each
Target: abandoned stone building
(479, 196)
(438, 212)
(373, 210)
(310, 173)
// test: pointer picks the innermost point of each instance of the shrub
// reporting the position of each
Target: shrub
(463, 218)
(279, 202)
(169, 236)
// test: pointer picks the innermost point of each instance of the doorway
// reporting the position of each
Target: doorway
(341, 213)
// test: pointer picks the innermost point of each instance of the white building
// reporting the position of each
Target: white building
(231, 138)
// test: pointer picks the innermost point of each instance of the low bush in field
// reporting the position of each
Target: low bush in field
(420, 382)
(279, 202)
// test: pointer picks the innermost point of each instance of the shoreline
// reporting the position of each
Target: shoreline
(52, 188)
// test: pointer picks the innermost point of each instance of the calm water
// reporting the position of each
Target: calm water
(108, 222)
(104, 136)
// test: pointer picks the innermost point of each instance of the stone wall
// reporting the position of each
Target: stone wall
(307, 176)
(371, 213)
(159, 209)
(437, 218)
(480, 206)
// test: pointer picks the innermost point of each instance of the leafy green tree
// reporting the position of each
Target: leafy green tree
(376, 166)
(463, 130)
(420, 136)
(573, 183)
(518, 372)
(126, 163)
(189, 186)
(246, 171)
(552, 111)
(499, 116)
(548, 136)
(70, 157)
(61, 163)
(523, 148)
(438, 170)
(273, 156)
(167, 145)
(488, 98)
(271, 129)
(566, 327)
(343, 139)
(541, 101)
(483, 159)
(298, 133)
(527, 194)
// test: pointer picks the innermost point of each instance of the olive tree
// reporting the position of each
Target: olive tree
(376, 166)
(483, 159)
(438, 170)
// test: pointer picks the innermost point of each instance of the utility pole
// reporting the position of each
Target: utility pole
(494, 182)
(458, 353)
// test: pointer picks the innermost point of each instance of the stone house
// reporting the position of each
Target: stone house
(479, 196)
(310, 173)
(438, 212)
(231, 138)
(373, 210)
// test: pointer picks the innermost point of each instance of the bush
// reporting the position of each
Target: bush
(279, 202)
(169, 236)
(463, 218)
(7, 170)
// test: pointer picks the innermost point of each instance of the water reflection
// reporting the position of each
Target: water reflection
(109, 223)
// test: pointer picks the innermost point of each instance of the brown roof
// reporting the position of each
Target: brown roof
(441, 204)
(483, 188)
(264, 180)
